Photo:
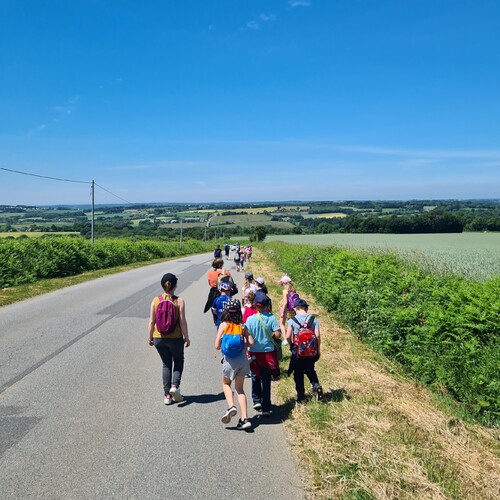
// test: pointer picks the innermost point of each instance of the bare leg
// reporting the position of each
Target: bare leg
(242, 399)
(228, 392)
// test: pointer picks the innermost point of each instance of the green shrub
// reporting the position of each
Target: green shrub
(31, 259)
(445, 330)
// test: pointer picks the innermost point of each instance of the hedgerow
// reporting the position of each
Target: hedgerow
(444, 330)
(28, 260)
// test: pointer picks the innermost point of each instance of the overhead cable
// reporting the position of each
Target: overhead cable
(44, 176)
(113, 194)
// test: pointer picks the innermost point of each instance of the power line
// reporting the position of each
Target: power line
(44, 176)
(64, 180)
(112, 194)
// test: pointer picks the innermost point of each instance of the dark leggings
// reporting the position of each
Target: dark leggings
(171, 351)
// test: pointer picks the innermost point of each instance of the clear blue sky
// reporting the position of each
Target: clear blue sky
(227, 100)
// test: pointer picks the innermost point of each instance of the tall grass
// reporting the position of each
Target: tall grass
(472, 255)
(444, 329)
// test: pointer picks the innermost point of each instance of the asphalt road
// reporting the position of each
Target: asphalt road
(81, 401)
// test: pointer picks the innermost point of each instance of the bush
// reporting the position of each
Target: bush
(442, 329)
(26, 261)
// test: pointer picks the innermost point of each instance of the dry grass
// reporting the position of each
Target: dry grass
(380, 435)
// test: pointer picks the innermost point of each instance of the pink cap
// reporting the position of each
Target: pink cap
(285, 279)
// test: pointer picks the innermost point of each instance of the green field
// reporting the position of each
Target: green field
(249, 220)
(18, 234)
(474, 255)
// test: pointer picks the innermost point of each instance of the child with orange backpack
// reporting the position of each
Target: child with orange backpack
(232, 339)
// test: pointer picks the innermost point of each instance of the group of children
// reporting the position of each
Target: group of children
(250, 338)
(248, 335)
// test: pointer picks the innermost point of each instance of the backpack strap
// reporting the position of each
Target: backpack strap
(310, 321)
(293, 317)
(269, 336)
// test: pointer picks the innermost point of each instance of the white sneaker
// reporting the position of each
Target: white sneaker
(168, 400)
(176, 394)
(230, 413)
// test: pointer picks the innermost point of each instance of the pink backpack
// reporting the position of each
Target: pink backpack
(166, 315)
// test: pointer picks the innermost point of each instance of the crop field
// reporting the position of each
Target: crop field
(334, 215)
(473, 255)
(248, 220)
(254, 210)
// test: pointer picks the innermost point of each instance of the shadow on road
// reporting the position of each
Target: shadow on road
(201, 399)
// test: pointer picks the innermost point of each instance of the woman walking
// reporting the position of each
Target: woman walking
(168, 332)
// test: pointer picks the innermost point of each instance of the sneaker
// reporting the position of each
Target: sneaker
(230, 413)
(244, 425)
(176, 394)
(168, 400)
(317, 391)
(257, 406)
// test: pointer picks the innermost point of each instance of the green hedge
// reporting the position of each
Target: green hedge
(445, 330)
(28, 260)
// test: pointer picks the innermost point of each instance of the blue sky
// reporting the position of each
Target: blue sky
(240, 100)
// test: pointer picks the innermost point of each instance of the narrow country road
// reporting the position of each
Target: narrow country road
(81, 401)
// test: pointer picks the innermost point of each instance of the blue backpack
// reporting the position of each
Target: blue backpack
(232, 341)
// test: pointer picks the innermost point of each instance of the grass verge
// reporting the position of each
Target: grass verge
(380, 434)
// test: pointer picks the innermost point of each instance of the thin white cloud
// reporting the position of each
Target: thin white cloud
(172, 164)
(37, 129)
(267, 17)
(61, 112)
(67, 108)
(253, 25)
(299, 3)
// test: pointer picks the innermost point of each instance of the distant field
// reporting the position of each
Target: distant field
(248, 220)
(474, 255)
(258, 210)
(334, 215)
(38, 234)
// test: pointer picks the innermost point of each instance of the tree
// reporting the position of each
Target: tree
(260, 233)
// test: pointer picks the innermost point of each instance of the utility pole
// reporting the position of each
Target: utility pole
(180, 241)
(92, 218)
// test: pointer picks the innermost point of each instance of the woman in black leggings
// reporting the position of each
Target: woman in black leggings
(170, 346)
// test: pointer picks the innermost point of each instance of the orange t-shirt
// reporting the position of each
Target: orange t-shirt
(214, 274)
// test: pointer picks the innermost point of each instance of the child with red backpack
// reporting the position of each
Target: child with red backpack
(303, 336)
(232, 339)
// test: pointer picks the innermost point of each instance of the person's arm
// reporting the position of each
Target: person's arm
(277, 329)
(183, 322)
(220, 331)
(318, 335)
(283, 312)
(248, 336)
(289, 335)
(152, 321)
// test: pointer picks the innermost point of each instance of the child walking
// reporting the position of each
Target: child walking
(306, 351)
(232, 339)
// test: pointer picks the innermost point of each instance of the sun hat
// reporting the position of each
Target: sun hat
(260, 281)
(232, 305)
(285, 279)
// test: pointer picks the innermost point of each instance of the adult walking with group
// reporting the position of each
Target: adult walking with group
(168, 333)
